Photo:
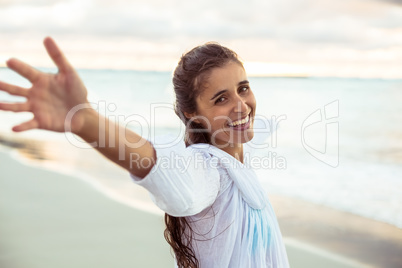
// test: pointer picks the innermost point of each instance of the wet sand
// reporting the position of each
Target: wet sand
(348, 237)
(52, 220)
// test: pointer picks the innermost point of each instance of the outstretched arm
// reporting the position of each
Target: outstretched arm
(51, 98)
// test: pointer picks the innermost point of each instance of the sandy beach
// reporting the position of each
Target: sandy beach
(53, 220)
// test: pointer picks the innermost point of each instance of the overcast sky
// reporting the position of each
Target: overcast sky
(360, 38)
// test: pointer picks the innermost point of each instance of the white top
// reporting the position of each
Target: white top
(233, 221)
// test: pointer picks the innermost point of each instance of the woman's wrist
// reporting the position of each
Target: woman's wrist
(84, 121)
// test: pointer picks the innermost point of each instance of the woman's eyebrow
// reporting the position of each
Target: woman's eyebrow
(219, 93)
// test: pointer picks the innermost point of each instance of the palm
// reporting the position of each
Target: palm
(51, 96)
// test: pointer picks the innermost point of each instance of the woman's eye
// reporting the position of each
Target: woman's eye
(243, 89)
(220, 99)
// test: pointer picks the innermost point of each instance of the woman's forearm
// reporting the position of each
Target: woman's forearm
(121, 145)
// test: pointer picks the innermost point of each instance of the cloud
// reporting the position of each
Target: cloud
(398, 2)
(291, 30)
(301, 21)
(7, 3)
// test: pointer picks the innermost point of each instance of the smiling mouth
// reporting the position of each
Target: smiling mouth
(240, 124)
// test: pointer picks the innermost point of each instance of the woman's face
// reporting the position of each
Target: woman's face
(226, 106)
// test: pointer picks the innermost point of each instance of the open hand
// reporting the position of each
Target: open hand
(51, 96)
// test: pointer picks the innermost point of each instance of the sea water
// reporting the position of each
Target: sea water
(333, 141)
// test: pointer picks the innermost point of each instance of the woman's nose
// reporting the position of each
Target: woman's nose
(240, 106)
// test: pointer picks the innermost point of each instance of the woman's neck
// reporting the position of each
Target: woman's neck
(235, 150)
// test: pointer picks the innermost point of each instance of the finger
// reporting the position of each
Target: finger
(32, 124)
(23, 69)
(15, 107)
(57, 55)
(14, 90)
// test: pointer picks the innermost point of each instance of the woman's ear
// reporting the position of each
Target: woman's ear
(191, 115)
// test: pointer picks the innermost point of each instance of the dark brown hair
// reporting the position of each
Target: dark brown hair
(188, 78)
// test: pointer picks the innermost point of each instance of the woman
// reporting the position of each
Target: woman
(216, 213)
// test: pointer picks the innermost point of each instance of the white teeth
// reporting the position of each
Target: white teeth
(240, 122)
